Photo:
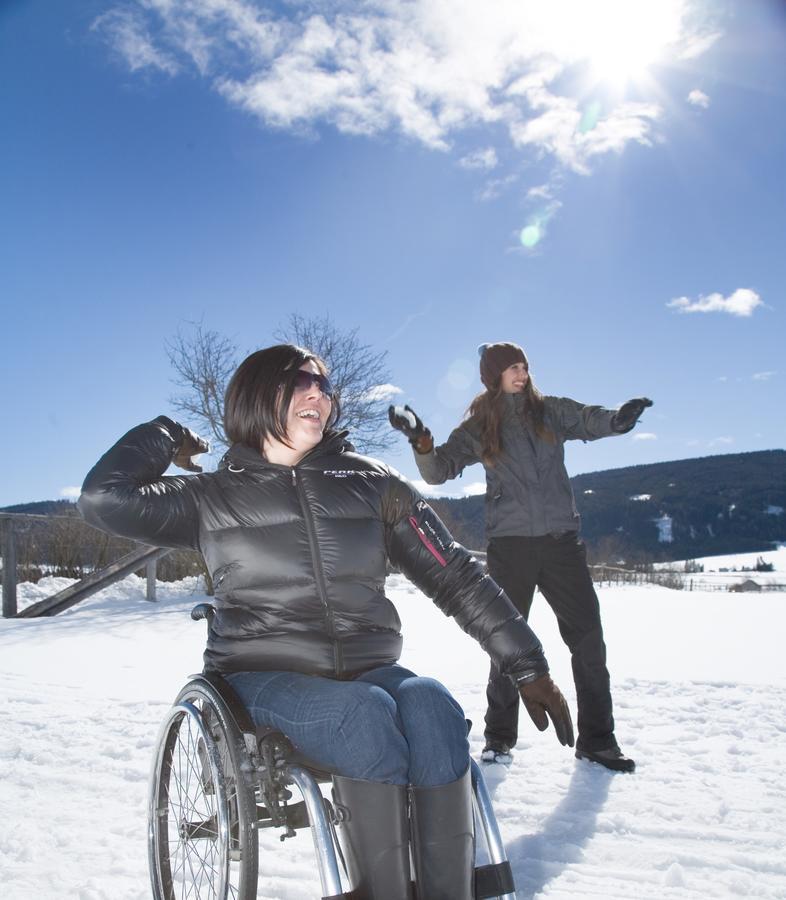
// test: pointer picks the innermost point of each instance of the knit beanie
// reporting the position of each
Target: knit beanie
(495, 358)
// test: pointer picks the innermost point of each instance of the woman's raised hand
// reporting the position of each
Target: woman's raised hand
(407, 421)
(192, 445)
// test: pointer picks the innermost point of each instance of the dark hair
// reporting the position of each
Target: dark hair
(487, 410)
(259, 393)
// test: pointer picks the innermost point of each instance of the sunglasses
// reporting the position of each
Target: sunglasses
(303, 381)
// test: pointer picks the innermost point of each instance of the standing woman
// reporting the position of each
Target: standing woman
(533, 529)
(297, 529)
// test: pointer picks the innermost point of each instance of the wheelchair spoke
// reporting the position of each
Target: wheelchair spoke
(203, 825)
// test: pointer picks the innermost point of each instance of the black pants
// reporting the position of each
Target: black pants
(556, 564)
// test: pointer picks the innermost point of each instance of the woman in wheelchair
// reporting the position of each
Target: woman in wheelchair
(297, 530)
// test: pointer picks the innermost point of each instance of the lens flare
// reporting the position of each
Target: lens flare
(530, 235)
(589, 117)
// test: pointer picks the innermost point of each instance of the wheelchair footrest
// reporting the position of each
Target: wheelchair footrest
(493, 880)
(296, 816)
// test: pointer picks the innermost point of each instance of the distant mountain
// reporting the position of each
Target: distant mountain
(44, 508)
(732, 503)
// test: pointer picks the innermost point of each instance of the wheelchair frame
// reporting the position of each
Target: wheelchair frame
(217, 778)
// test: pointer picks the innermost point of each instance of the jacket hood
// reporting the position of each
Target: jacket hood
(240, 456)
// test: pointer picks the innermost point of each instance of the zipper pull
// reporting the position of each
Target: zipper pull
(294, 478)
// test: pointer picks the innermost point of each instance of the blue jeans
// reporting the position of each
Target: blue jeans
(387, 725)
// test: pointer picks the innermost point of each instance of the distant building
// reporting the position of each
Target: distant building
(745, 586)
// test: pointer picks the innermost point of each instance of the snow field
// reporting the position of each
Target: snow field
(699, 685)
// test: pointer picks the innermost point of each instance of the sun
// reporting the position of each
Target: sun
(621, 39)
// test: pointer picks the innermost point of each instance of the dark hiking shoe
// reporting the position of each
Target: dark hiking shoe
(494, 752)
(612, 758)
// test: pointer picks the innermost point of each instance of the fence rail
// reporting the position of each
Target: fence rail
(141, 557)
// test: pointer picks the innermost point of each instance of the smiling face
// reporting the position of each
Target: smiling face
(309, 411)
(514, 379)
(307, 417)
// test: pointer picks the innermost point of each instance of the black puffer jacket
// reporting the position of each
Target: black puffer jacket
(298, 554)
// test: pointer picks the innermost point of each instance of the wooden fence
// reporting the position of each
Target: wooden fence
(141, 557)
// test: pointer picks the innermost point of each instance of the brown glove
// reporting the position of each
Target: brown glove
(191, 445)
(543, 698)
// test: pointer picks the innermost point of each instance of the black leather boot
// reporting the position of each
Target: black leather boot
(374, 835)
(443, 840)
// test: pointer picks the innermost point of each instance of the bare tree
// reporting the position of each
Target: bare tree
(204, 360)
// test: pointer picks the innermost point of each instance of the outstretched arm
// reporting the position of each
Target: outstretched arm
(126, 492)
(579, 421)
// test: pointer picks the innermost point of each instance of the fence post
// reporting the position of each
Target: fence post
(9, 571)
(150, 570)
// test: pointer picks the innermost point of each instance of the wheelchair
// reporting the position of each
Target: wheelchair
(217, 779)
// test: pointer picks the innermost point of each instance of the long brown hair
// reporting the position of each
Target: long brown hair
(487, 409)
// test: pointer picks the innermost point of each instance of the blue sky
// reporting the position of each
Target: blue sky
(605, 188)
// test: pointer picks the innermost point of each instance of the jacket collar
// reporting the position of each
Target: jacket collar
(239, 456)
(514, 404)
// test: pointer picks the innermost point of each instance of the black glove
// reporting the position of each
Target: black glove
(628, 414)
(407, 421)
(191, 445)
(543, 698)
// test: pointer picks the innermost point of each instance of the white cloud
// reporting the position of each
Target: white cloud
(557, 129)
(763, 376)
(427, 69)
(480, 159)
(721, 441)
(693, 45)
(496, 186)
(412, 317)
(453, 490)
(540, 192)
(125, 30)
(741, 303)
(427, 490)
(644, 436)
(698, 98)
(70, 492)
(382, 392)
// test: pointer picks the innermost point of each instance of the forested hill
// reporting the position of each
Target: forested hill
(673, 510)
(44, 508)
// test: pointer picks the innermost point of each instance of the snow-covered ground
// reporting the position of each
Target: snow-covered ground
(700, 693)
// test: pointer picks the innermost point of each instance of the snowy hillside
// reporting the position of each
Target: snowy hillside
(700, 691)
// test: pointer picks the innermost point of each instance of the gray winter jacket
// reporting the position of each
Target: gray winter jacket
(298, 554)
(528, 491)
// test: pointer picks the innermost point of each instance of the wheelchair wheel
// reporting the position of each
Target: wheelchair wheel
(202, 832)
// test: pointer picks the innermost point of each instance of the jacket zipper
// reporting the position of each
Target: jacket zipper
(316, 559)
